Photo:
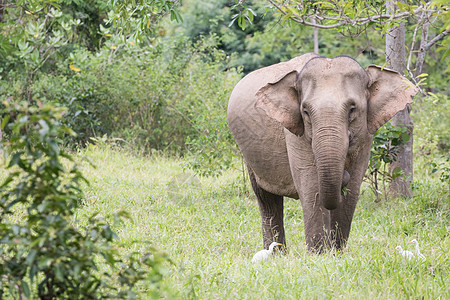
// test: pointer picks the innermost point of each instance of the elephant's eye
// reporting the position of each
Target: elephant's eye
(351, 114)
(306, 116)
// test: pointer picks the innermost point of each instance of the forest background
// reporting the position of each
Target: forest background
(154, 81)
(160, 85)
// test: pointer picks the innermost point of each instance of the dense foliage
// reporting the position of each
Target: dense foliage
(126, 81)
(44, 249)
(159, 86)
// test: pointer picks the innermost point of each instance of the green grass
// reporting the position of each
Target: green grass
(211, 228)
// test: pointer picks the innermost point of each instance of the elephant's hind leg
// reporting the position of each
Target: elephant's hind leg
(271, 209)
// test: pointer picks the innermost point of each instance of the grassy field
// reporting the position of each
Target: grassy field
(210, 229)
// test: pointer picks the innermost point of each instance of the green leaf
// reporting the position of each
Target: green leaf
(405, 137)
(175, 16)
(59, 272)
(44, 128)
(397, 172)
(53, 145)
(35, 56)
(422, 75)
(77, 270)
(15, 229)
(4, 121)
(31, 257)
(25, 289)
(23, 46)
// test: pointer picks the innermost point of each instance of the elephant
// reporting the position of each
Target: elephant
(305, 128)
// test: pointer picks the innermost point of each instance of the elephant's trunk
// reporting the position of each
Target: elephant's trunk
(330, 146)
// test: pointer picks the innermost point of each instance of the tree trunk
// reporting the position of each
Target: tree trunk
(316, 40)
(2, 9)
(315, 36)
(396, 57)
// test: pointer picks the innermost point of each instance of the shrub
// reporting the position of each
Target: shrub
(171, 98)
(383, 152)
(44, 251)
(147, 96)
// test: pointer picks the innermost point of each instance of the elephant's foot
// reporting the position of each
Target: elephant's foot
(325, 241)
(319, 243)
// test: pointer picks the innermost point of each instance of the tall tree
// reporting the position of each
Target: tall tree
(355, 17)
(396, 60)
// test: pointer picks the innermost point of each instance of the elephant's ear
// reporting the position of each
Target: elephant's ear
(390, 92)
(280, 101)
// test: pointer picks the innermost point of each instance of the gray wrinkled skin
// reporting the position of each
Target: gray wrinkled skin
(305, 128)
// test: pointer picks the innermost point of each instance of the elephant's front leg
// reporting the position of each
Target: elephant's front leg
(341, 217)
(271, 209)
(340, 227)
(317, 224)
(304, 172)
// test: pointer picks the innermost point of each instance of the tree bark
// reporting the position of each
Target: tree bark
(396, 57)
(315, 37)
(316, 40)
(422, 50)
(2, 9)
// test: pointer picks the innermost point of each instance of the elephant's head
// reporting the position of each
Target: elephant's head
(335, 105)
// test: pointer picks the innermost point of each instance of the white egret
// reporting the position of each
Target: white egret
(263, 254)
(405, 253)
(417, 250)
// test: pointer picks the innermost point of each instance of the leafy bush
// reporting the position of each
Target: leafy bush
(442, 168)
(171, 98)
(383, 152)
(431, 141)
(431, 122)
(44, 251)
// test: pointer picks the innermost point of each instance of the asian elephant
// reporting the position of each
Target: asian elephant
(305, 129)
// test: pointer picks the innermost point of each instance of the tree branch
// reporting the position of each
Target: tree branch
(421, 54)
(435, 40)
(421, 19)
(381, 18)
(416, 84)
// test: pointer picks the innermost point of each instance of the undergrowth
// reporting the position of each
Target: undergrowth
(210, 228)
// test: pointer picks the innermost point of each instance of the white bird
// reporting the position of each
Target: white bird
(417, 250)
(405, 253)
(264, 254)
